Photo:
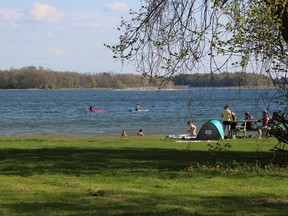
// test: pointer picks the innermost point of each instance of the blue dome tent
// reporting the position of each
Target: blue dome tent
(211, 130)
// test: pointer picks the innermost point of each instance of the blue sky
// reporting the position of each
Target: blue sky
(63, 35)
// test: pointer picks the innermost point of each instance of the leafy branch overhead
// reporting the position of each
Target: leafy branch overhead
(182, 36)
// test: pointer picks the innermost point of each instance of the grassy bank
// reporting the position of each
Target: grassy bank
(140, 176)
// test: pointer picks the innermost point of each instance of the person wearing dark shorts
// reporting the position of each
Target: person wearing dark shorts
(227, 117)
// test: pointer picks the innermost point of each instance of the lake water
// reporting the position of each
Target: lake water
(62, 112)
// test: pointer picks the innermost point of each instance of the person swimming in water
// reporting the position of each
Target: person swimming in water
(138, 108)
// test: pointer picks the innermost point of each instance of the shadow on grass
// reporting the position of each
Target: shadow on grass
(134, 162)
(77, 161)
(144, 204)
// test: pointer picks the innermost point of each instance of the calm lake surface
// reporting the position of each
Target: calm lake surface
(62, 112)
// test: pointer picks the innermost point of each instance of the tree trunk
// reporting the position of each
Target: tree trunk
(284, 19)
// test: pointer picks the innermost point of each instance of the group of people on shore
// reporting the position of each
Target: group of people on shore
(230, 121)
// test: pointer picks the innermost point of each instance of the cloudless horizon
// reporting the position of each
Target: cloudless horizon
(66, 35)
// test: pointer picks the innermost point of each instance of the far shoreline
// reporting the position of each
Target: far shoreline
(178, 88)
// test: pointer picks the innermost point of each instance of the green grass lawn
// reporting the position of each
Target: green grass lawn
(141, 176)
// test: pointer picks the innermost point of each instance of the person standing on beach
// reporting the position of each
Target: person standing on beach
(233, 125)
(227, 117)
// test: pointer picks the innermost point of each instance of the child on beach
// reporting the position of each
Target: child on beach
(124, 134)
(140, 133)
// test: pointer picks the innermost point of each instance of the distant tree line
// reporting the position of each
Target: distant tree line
(223, 79)
(39, 78)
